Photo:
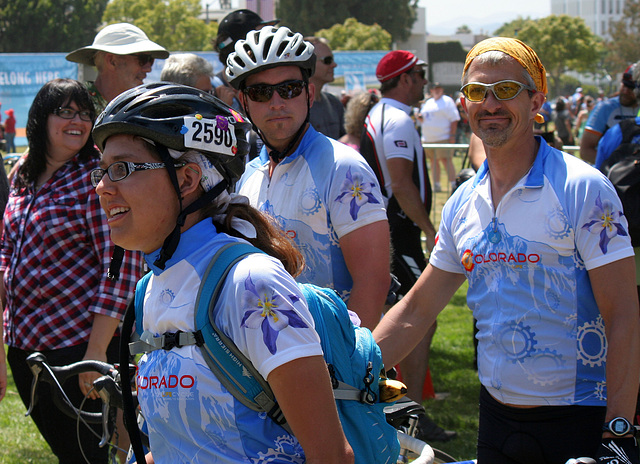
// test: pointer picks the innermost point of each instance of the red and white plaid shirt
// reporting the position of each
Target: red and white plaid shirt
(55, 255)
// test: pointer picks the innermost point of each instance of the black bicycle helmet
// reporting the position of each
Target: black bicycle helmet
(180, 118)
(159, 112)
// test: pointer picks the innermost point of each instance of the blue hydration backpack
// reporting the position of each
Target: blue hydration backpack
(353, 358)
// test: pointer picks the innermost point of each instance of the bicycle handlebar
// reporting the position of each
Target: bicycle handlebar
(107, 386)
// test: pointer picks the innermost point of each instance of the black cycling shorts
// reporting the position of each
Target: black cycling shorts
(542, 435)
(407, 261)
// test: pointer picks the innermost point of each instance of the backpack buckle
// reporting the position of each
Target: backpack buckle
(171, 340)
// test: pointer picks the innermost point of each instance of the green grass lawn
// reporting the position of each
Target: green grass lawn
(20, 441)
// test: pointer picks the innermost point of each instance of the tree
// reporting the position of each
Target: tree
(563, 43)
(32, 26)
(174, 24)
(353, 35)
(625, 36)
(464, 29)
(306, 16)
(512, 28)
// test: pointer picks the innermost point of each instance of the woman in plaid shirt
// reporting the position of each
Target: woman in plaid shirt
(54, 255)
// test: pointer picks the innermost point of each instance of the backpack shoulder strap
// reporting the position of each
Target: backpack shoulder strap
(232, 368)
(629, 129)
(141, 288)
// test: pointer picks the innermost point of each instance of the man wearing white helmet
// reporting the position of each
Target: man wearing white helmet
(322, 193)
(123, 55)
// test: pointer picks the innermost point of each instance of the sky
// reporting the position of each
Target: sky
(479, 15)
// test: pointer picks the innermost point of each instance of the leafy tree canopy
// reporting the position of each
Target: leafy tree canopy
(174, 24)
(307, 16)
(464, 29)
(562, 42)
(353, 35)
(625, 36)
(512, 28)
(38, 26)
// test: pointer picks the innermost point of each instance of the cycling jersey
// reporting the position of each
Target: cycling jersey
(319, 193)
(191, 417)
(541, 336)
(607, 114)
(395, 136)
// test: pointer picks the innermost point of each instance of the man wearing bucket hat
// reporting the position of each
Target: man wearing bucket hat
(541, 238)
(391, 145)
(123, 55)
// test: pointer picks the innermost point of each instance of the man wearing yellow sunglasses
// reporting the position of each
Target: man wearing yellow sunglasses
(541, 237)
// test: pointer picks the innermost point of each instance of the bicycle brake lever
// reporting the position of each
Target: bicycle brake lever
(101, 386)
(34, 361)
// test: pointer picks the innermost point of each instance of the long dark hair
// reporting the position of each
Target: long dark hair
(270, 238)
(54, 94)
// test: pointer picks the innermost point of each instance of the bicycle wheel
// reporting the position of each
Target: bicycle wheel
(441, 457)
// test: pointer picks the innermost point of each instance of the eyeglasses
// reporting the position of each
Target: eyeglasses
(502, 90)
(145, 59)
(70, 113)
(263, 92)
(328, 60)
(122, 169)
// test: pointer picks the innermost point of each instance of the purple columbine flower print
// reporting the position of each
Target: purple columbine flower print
(356, 192)
(605, 221)
(268, 311)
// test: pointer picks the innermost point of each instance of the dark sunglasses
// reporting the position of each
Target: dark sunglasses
(70, 113)
(145, 59)
(420, 72)
(328, 60)
(263, 92)
(502, 90)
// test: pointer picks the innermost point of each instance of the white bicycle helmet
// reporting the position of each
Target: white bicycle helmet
(268, 48)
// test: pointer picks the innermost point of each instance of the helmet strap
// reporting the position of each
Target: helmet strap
(113, 273)
(171, 242)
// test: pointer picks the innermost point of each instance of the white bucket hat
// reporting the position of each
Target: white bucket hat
(119, 39)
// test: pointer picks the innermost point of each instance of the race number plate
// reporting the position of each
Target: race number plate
(216, 135)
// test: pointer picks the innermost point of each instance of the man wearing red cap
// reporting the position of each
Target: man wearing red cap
(541, 238)
(392, 147)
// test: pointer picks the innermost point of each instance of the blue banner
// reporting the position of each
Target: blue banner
(23, 74)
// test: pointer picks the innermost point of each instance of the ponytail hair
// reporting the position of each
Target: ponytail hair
(269, 237)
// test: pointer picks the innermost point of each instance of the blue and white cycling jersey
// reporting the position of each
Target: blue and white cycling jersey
(191, 417)
(319, 193)
(541, 336)
(607, 114)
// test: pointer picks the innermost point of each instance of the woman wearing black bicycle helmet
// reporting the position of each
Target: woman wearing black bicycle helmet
(179, 211)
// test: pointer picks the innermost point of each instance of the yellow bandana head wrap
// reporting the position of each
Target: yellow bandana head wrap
(520, 52)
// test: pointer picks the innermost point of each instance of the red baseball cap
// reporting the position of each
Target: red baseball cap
(395, 63)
